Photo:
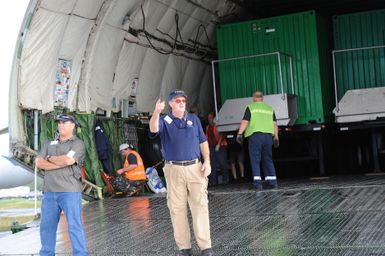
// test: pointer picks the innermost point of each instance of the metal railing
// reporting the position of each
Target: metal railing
(278, 54)
(334, 66)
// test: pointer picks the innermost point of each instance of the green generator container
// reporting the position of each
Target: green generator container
(304, 36)
(359, 68)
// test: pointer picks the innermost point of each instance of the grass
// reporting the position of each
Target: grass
(9, 204)
(6, 222)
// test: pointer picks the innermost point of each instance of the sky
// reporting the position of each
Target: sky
(10, 22)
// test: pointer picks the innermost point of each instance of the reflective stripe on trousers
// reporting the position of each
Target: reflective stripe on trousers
(260, 150)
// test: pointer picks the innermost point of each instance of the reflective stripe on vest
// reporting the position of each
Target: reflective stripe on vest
(137, 173)
(261, 119)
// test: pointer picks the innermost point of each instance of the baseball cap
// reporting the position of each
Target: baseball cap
(175, 94)
(125, 146)
(67, 118)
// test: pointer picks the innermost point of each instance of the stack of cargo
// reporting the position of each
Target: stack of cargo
(359, 54)
(255, 55)
(303, 36)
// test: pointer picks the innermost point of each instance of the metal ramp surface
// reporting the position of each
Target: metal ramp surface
(339, 216)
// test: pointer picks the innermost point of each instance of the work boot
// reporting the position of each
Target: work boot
(134, 191)
(184, 252)
(137, 191)
(275, 186)
(207, 252)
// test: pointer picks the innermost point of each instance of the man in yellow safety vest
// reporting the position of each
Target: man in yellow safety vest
(260, 126)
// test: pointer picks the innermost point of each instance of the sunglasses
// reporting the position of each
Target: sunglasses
(180, 101)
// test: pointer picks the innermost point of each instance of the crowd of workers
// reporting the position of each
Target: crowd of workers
(193, 155)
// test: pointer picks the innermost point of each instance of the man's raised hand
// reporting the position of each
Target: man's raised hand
(159, 106)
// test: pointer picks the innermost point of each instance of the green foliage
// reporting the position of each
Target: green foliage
(115, 134)
(48, 128)
(86, 133)
(6, 222)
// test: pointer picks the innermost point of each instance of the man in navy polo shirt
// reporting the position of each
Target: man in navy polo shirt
(183, 143)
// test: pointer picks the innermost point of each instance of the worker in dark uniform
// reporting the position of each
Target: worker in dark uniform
(260, 126)
(183, 143)
(102, 147)
(61, 160)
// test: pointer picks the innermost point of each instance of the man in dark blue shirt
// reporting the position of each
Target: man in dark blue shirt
(183, 143)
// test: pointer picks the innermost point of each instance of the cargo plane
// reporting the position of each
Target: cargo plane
(11, 173)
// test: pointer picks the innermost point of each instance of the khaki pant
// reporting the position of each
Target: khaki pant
(187, 184)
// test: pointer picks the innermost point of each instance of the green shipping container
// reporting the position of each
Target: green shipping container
(304, 36)
(360, 68)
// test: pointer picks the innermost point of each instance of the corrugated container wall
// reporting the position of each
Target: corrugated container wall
(305, 36)
(363, 68)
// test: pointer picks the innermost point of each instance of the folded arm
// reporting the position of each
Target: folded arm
(61, 161)
(43, 164)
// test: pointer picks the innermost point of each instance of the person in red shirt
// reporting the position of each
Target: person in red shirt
(218, 152)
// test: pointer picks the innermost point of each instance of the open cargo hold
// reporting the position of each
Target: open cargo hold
(359, 43)
(118, 131)
(304, 36)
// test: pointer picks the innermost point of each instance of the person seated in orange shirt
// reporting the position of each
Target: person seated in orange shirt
(130, 178)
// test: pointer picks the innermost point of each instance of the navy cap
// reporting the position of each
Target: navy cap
(175, 94)
(66, 118)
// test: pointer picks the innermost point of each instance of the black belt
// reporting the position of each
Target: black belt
(183, 163)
